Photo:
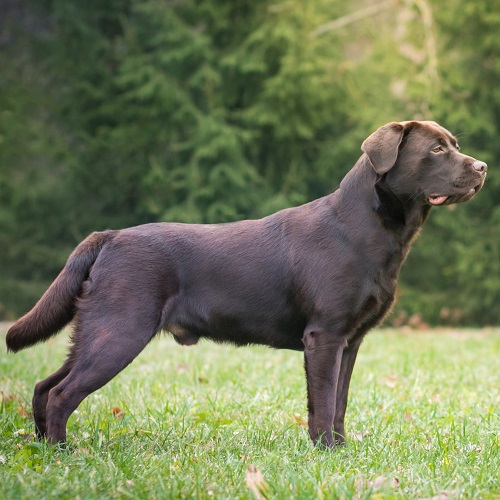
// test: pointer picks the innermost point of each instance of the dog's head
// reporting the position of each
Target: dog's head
(421, 161)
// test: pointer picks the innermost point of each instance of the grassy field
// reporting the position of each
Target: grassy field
(216, 421)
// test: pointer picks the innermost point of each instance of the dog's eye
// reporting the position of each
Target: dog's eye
(438, 149)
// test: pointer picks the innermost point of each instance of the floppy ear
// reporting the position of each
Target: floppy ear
(382, 146)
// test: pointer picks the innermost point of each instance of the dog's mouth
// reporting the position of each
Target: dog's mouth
(439, 199)
(436, 199)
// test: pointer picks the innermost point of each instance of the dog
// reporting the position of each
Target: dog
(313, 278)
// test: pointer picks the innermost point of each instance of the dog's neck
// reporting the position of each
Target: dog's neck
(401, 216)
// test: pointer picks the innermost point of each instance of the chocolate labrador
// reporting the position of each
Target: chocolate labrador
(313, 278)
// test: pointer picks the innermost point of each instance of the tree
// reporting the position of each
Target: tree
(118, 113)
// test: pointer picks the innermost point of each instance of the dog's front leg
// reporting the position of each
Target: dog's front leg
(346, 367)
(322, 356)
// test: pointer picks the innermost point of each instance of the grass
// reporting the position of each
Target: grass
(216, 421)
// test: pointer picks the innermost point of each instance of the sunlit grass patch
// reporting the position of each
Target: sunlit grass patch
(227, 422)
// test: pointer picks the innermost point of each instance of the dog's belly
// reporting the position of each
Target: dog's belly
(275, 339)
(278, 329)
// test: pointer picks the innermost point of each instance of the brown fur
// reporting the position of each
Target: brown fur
(315, 278)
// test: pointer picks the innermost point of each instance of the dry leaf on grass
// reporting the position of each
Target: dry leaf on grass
(391, 381)
(299, 420)
(22, 412)
(255, 482)
(117, 412)
(8, 397)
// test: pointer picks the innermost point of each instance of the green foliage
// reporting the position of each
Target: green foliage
(118, 113)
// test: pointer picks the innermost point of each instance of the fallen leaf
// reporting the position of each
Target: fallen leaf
(117, 412)
(391, 381)
(358, 436)
(255, 482)
(395, 483)
(378, 482)
(299, 420)
(9, 397)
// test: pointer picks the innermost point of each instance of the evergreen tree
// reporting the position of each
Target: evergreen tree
(118, 113)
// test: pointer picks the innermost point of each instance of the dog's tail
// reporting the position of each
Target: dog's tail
(56, 308)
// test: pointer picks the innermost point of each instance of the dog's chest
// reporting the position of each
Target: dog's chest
(385, 283)
(378, 297)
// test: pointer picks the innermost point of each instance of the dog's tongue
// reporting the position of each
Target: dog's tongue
(437, 200)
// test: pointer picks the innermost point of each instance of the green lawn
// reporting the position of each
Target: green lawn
(216, 421)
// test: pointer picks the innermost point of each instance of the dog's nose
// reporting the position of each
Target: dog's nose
(480, 166)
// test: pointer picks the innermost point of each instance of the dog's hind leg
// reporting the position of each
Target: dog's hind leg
(41, 396)
(99, 354)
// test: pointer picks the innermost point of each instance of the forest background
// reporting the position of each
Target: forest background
(119, 113)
